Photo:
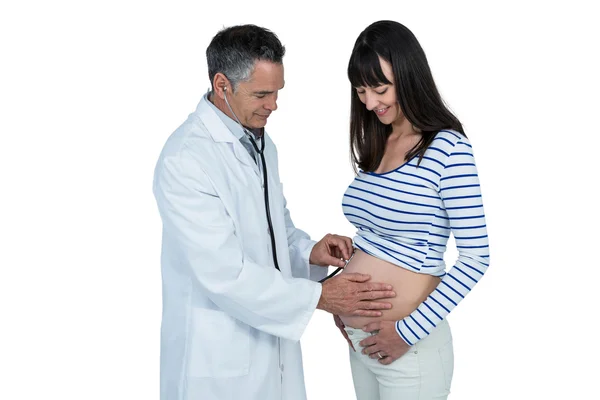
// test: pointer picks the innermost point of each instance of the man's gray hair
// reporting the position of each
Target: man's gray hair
(234, 51)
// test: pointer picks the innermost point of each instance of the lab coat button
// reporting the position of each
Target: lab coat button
(281, 367)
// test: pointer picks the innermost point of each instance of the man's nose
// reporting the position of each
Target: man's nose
(271, 104)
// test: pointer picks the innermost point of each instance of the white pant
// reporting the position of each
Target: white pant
(423, 373)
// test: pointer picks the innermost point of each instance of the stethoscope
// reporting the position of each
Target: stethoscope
(266, 188)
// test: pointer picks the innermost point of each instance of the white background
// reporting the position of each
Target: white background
(89, 92)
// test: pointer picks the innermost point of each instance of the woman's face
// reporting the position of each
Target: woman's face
(382, 99)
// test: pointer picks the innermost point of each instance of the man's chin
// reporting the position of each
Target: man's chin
(258, 125)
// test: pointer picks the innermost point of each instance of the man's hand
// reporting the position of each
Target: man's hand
(331, 250)
(351, 294)
(386, 342)
(341, 326)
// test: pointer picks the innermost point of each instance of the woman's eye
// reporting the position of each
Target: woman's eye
(360, 92)
(382, 92)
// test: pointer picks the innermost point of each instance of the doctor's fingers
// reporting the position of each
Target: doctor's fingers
(376, 294)
(341, 244)
(338, 321)
(381, 290)
(332, 260)
(337, 253)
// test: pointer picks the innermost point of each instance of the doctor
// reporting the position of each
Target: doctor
(238, 278)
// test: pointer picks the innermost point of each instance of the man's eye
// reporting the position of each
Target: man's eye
(260, 96)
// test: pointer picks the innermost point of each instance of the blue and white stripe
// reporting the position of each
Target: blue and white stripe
(405, 217)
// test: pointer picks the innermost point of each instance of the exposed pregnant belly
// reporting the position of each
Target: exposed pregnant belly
(411, 288)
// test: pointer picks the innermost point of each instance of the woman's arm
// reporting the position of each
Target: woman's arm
(461, 196)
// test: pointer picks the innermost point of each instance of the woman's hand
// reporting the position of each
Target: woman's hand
(341, 326)
(386, 346)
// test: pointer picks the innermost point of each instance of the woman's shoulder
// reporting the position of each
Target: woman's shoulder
(444, 142)
(448, 139)
(450, 135)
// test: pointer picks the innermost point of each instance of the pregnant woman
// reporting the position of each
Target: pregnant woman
(416, 183)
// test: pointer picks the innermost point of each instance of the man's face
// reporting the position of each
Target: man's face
(255, 99)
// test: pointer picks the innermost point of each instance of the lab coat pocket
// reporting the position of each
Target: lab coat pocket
(219, 345)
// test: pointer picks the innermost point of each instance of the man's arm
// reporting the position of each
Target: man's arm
(209, 246)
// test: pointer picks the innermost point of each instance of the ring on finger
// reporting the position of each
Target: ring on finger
(379, 355)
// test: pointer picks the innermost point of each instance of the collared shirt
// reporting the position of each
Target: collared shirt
(238, 132)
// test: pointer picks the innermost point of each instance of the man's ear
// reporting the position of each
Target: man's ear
(221, 85)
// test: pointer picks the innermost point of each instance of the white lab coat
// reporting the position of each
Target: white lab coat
(231, 322)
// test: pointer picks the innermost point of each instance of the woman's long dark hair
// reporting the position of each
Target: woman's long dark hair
(416, 92)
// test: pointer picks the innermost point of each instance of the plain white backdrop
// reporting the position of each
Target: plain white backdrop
(89, 92)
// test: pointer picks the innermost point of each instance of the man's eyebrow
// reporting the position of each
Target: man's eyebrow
(263, 92)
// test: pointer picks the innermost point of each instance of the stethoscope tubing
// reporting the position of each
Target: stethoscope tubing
(266, 193)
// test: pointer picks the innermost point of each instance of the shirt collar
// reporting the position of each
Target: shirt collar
(231, 124)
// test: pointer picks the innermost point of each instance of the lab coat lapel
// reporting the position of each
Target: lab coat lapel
(220, 133)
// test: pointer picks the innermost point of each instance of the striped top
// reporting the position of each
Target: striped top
(405, 217)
